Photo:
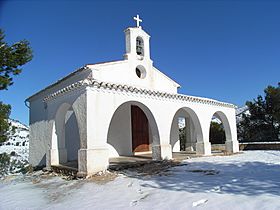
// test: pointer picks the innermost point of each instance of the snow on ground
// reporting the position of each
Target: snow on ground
(241, 110)
(245, 181)
(18, 141)
(17, 147)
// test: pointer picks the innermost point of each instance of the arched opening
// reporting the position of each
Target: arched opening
(66, 138)
(132, 131)
(139, 46)
(219, 132)
(72, 137)
(185, 131)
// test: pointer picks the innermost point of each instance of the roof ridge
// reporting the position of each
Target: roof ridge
(123, 87)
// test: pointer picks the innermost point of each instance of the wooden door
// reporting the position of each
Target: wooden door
(140, 130)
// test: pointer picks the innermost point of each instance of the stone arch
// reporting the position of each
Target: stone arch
(219, 145)
(223, 118)
(119, 136)
(193, 128)
(66, 136)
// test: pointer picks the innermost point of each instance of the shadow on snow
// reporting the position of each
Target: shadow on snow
(240, 178)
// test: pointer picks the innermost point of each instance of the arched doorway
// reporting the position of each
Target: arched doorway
(219, 132)
(66, 137)
(72, 137)
(132, 130)
(139, 130)
(185, 131)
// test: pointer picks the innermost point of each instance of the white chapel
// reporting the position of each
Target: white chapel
(120, 108)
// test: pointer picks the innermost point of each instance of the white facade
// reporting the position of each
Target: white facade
(86, 116)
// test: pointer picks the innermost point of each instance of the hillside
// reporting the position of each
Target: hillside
(17, 148)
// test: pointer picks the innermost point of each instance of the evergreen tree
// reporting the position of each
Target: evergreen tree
(263, 122)
(11, 59)
(4, 124)
(217, 133)
(182, 138)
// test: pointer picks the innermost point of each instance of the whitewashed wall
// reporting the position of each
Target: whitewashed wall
(123, 72)
(97, 108)
(119, 132)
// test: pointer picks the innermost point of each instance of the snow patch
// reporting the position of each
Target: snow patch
(246, 181)
(17, 146)
(200, 202)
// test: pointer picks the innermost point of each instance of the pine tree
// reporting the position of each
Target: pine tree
(5, 111)
(11, 59)
(182, 138)
(217, 133)
(263, 122)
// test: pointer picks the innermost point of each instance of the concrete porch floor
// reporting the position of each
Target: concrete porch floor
(123, 162)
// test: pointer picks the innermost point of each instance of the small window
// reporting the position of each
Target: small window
(140, 72)
(139, 46)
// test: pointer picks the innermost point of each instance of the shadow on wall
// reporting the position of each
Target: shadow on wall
(41, 164)
(72, 137)
(247, 178)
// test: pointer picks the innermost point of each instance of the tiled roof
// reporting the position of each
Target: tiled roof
(126, 88)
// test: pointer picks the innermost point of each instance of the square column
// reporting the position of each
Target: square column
(92, 161)
(166, 152)
(232, 146)
(203, 148)
(93, 155)
(58, 156)
(162, 152)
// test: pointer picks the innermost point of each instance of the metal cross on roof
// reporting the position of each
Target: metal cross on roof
(138, 21)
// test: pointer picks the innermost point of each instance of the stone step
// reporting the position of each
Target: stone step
(65, 170)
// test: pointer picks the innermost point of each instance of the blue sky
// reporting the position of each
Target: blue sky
(226, 50)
